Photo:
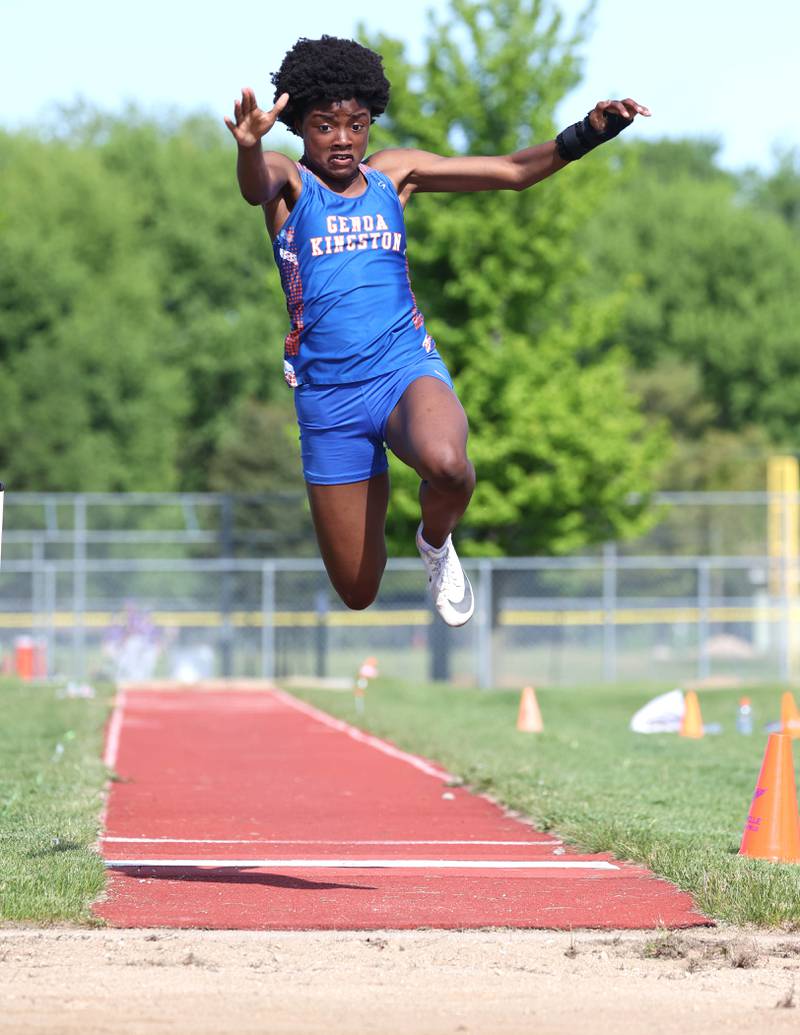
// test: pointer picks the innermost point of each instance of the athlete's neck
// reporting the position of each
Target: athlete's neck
(351, 185)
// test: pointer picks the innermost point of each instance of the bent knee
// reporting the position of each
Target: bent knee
(356, 595)
(449, 470)
(357, 599)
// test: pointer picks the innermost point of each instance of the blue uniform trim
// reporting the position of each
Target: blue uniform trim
(343, 427)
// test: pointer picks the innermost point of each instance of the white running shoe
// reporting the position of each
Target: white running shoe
(449, 586)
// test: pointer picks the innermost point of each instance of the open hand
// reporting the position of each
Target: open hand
(251, 122)
(627, 109)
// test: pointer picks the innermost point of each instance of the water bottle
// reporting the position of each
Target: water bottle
(744, 717)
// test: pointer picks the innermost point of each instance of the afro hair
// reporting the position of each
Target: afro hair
(330, 69)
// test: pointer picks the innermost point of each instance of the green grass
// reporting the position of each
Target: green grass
(51, 797)
(678, 806)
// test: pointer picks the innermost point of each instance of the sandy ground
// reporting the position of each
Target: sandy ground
(406, 983)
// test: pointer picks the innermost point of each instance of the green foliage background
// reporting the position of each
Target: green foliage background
(631, 323)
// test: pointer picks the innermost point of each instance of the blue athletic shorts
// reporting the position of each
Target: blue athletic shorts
(342, 427)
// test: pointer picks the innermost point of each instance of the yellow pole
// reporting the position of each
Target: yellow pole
(783, 534)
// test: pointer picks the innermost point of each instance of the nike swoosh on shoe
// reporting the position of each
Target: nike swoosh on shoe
(463, 605)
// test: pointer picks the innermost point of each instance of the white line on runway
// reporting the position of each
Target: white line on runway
(358, 864)
(258, 841)
(114, 732)
(361, 737)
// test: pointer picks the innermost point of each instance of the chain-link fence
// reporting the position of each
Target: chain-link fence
(107, 525)
(59, 526)
(538, 620)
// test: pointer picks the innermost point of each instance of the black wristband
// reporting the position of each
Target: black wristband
(579, 139)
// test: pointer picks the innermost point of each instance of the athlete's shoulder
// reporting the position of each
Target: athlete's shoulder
(400, 164)
(394, 161)
(284, 171)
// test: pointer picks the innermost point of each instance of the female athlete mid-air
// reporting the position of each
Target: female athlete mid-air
(365, 371)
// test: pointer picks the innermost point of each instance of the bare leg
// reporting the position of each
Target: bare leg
(349, 521)
(428, 431)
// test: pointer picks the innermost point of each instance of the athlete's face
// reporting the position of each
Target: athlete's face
(335, 137)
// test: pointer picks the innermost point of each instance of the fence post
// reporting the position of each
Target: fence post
(227, 549)
(483, 641)
(38, 601)
(321, 607)
(268, 620)
(50, 612)
(79, 588)
(37, 557)
(703, 604)
(439, 648)
(610, 612)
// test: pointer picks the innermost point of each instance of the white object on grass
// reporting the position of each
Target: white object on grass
(661, 715)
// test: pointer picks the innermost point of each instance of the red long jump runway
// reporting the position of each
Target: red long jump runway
(238, 809)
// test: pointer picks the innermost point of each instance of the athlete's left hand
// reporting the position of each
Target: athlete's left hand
(627, 109)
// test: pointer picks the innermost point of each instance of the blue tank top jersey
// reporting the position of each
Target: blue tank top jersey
(344, 271)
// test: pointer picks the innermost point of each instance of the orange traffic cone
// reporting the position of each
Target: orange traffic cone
(692, 722)
(529, 718)
(790, 717)
(772, 830)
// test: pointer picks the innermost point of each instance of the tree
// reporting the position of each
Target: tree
(217, 283)
(779, 192)
(258, 451)
(704, 457)
(556, 434)
(711, 281)
(89, 398)
(137, 304)
(258, 458)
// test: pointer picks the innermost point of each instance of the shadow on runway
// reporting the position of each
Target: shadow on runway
(231, 875)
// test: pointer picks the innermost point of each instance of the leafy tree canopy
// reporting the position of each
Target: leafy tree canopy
(137, 307)
(710, 281)
(556, 433)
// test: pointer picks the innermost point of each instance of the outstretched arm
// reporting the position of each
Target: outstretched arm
(414, 171)
(262, 175)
